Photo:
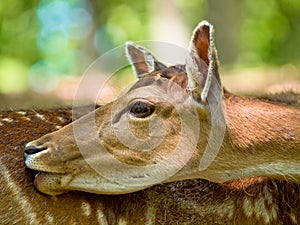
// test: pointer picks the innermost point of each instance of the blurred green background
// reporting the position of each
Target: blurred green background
(44, 43)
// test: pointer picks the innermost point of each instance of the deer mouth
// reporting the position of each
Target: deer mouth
(51, 159)
(40, 162)
(52, 176)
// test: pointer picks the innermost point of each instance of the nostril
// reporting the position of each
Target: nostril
(32, 149)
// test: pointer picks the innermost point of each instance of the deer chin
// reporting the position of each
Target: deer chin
(57, 184)
(52, 183)
(88, 182)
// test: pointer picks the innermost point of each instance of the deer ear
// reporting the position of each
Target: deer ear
(202, 66)
(143, 62)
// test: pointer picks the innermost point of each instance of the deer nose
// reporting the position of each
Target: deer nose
(31, 149)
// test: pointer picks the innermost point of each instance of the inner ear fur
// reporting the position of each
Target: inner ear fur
(142, 60)
(202, 65)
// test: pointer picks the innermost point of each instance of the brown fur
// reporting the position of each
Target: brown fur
(201, 39)
(190, 202)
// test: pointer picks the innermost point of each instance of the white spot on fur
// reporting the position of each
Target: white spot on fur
(86, 208)
(248, 207)
(269, 200)
(259, 208)
(17, 196)
(150, 216)
(61, 119)
(58, 127)
(50, 218)
(100, 215)
(21, 113)
(9, 120)
(293, 217)
(122, 221)
(288, 137)
(274, 212)
(40, 116)
(27, 118)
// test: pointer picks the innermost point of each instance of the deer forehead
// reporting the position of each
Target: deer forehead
(176, 74)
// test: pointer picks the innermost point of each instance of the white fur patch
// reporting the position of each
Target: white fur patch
(21, 113)
(212, 61)
(40, 116)
(259, 207)
(293, 217)
(8, 120)
(150, 215)
(26, 118)
(50, 218)
(122, 221)
(61, 119)
(18, 197)
(101, 217)
(86, 208)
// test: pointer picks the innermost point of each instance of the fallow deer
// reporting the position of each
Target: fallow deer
(246, 201)
(252, 136)
(187, 107)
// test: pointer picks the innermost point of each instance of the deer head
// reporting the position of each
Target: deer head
(170, 125)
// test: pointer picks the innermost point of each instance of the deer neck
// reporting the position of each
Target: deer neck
(261, 139)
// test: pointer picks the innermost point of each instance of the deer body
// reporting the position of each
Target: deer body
(247, 201)
(174, 124)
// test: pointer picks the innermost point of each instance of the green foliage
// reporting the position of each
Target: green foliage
(66, 35)
(18, 30)
(13, 75)
(269, 31)
(192, 11)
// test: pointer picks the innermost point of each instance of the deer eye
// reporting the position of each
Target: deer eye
(141, 109)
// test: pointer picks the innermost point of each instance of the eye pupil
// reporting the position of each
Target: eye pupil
(141, 109)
